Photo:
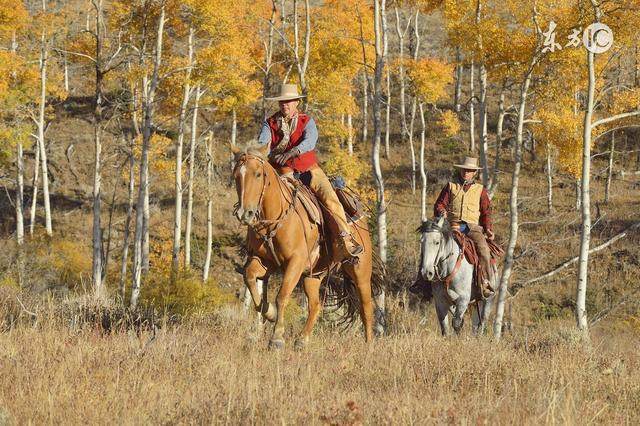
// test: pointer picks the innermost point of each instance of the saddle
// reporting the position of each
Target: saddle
(307, 199)
(468, 247)
(350, 201)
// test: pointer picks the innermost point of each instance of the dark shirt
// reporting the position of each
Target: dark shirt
(442, 203)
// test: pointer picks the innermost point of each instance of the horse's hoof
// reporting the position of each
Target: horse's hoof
(276, 344)
(300, 344)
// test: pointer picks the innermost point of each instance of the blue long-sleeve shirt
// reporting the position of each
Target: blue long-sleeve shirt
(309, 136)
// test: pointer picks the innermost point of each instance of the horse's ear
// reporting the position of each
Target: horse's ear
(440, 222)
(235, 150)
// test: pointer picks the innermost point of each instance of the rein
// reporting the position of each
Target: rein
(263, 224)
(448, 279)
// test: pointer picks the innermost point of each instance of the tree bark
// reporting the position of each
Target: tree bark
(380, 29)
(192, 173)
(513, 208)
(401, 74)
(34, 186)
(493, 186)
(423, 173)
(127, 223)
(20, 195)
(549, 170)
(142, 205)
(96, 270)
(585, 233)
(44, 58)
(472, 119)
(607, 189)
(578, 194)
(207, 258)
(387, 120)
(459, 75)
(484, 137)
(177, 218)
(365, 108)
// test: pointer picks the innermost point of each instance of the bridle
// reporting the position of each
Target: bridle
(261, 227)
(439, 262)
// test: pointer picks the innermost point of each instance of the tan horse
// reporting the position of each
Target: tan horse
(282, 237)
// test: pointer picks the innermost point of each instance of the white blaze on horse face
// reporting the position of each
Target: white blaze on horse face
(430, 251)
(243, 172)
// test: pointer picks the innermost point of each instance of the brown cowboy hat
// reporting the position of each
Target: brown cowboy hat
(470, 163)
(288, 92)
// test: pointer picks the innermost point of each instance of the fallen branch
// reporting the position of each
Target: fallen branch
(573, 260)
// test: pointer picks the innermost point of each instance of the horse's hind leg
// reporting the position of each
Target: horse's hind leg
(312, 290)
(360, 273)
(253, 270)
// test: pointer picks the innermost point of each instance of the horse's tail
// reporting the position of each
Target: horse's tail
(342, 295)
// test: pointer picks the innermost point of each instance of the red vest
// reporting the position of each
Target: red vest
(304, 161)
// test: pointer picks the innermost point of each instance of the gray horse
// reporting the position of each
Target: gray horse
(439, 254)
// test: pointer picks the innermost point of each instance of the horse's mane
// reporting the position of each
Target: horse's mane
(432, 226)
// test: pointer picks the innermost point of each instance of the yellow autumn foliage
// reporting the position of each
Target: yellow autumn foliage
(429, 78)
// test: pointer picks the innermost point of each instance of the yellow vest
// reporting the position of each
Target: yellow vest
(464, 206)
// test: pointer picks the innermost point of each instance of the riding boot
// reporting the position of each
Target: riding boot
(349, 245)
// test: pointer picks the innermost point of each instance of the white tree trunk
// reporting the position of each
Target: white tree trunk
(177, 214)
(387, 119)
(365, 108)
(207, 258)
(549, 170)
(493, 186)
(412, 149)
(459, 75)
(585, 234)
(578, 194)
(401, 75)
(20, 195)
(483, 126)
(423, 173)
(44, 57)
(513, 208)
(607, 189)
(127, 223)
(34, 187)
(472, 118)
(148, 106)
(192, 174)
(350, 134)
(234, 127)
(96, 270)
(381, 208)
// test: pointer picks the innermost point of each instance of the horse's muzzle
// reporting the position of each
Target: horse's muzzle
(246, 216)
(428, 275)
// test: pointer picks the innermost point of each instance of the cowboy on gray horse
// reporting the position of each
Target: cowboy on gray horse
(467, 207)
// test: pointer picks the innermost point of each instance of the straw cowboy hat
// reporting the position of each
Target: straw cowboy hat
(288, 92)
(470, 163)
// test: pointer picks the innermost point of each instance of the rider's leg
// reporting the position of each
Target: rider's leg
(484, 253)
(323, 189)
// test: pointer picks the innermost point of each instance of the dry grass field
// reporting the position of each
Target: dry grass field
(208, 370)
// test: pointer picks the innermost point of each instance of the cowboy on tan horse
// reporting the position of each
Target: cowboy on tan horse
(467, 207)
(293, 136)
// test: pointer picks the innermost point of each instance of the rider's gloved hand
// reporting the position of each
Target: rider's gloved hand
(281, 159)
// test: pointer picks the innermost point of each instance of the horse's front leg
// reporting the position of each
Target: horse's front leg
(292, 274)
(442, 308)
(253, 270)
(458, 318)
